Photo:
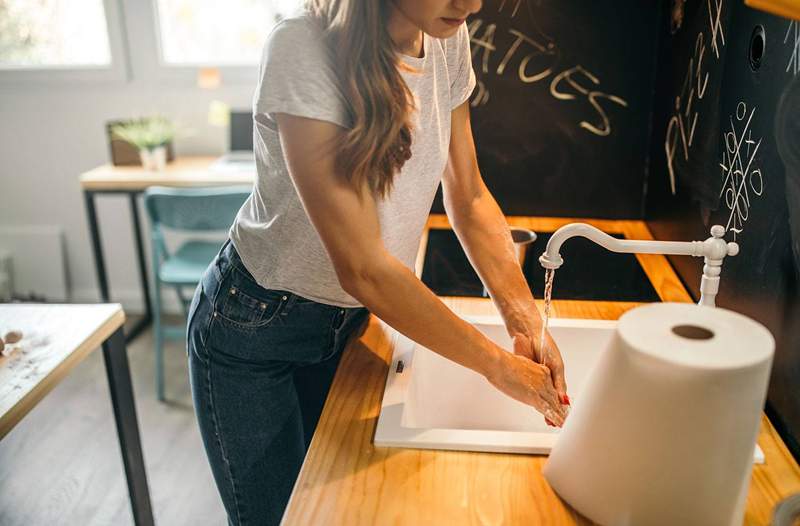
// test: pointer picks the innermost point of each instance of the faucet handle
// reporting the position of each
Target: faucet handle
(718, 231)
(717, 249)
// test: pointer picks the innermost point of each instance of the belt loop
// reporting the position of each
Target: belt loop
(291, 299)
(341, 316)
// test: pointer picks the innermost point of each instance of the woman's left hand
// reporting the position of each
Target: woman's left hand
(526, 343)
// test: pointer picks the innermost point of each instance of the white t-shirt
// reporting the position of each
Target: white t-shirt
(272, 232)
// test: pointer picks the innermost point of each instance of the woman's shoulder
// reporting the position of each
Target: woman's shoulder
(297, 74)
(295, 32)
(296, 43)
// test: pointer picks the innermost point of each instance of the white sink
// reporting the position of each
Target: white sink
(432, 403)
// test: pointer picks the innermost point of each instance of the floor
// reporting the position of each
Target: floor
(61, 464)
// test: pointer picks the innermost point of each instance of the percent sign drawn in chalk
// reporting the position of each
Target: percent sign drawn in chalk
(741, 177)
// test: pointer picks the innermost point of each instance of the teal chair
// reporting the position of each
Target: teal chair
(184, 210)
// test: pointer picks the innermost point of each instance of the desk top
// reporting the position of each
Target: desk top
(346, 480)
(183, 171)
(55, 339)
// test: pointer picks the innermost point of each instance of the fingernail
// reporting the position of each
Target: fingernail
(565, 399)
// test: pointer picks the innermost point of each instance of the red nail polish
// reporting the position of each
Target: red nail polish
(565, 399)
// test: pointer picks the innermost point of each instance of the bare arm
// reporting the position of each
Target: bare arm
(483, 232)
(346, 219)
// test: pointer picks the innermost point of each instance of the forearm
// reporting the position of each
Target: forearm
(483, 232)
(394, 294)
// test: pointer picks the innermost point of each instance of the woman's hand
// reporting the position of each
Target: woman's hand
(526, 333)
(522, 379)
(528, 345)
(529, 348)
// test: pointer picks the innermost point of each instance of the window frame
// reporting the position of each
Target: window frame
(188, 73)
(141, 65)
(116, 72)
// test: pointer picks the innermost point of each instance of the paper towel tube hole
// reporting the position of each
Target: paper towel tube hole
(693, 332)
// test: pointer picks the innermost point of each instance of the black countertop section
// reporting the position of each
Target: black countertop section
(590, 272)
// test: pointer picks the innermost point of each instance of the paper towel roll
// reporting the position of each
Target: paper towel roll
(665, 428)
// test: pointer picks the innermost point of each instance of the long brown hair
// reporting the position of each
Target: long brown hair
(378, 99)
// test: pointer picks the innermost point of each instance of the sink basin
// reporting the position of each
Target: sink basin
(432, 403)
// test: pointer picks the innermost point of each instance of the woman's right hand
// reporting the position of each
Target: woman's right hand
(529, 382)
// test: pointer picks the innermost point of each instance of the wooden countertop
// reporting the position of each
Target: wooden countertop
(55, 339)
(183, 171)
(346, 480)
(785, 8)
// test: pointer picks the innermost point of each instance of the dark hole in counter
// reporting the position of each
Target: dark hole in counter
(590, 272)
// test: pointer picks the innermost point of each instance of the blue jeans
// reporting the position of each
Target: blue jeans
(261, 362)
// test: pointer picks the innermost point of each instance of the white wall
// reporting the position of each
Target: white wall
(51, 132)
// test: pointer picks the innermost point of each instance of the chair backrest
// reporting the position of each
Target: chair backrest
(197, 209)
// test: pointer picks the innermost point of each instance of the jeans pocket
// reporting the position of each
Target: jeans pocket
(239, 308)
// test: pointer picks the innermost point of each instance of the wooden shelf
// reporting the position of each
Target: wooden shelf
(785, 8)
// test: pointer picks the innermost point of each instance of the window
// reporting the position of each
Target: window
(38, 34)
(210, 32)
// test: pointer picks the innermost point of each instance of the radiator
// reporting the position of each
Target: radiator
(37, 261)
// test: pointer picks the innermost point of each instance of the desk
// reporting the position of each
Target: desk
(133, 180)
(346, 480)
(55, 339)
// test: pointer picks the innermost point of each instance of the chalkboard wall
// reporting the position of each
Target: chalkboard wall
(562, 111)
(684, 113)
(726, 150)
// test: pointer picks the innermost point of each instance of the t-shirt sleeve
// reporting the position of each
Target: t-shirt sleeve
(296, 75)
(462, 76)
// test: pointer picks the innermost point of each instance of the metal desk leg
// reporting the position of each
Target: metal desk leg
(137, 235)
(119, 383)
(100, 264)
(97, 249)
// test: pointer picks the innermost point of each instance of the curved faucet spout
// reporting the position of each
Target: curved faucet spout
(714, 249)
(551, 259)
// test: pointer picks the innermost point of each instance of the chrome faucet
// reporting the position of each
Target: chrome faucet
(714, 249)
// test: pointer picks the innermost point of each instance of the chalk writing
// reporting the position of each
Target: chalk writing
(715, 25)
(517, 3)
(741, 177)
(593, 97)
(481, 95)
(538, 59)
(683, 121)
(793, 33)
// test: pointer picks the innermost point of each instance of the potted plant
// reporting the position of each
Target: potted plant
(150, 135)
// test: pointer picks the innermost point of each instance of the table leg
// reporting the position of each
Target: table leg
(97, 249)
(137, 234)
(100, 264)
(119, 383)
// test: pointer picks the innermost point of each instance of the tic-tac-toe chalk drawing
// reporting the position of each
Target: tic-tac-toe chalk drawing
(742, 179)
(793, 39)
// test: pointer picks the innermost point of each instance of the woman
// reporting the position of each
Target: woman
(360, 111)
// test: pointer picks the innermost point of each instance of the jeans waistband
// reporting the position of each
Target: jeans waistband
(229, 257)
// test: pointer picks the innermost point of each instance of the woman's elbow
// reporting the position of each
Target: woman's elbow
(358, 276)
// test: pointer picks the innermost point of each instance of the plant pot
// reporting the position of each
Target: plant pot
(154, 159)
